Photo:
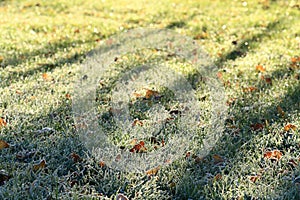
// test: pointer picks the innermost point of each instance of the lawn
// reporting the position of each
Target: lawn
(253, 45)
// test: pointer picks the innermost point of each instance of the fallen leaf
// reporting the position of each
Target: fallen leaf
(121, 197)
(75, 157)
(139, 148)
(188, 154)
(249, 89)
(19, 92)
(254, 178)
(101, 164)
(260, 68)
(46, 77)
(218, 177)
(39, 166)
(217, 159)
(220, 75)
(290, 126)
(275, 154)
(2, 122)
(137, 122)
(1, 58)
(280, 111)
(4, 177)
(3, 144)
(151, 93)
(257, 127)
(153, 171)
(68, 96)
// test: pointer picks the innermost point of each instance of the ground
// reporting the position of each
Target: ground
(255, 46)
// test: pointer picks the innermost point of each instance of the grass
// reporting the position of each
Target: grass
(53, 37)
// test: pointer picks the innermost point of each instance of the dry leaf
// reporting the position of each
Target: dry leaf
(153, 171)
(68, 96)
(249, 89)
(275, 154)
(217, 159)
(101, 164)
(257, 127)
(137, 122)
(75, 157)
(3, 144)
(218, 177)
(290, 126)
(2, 122)
(46, 77)
(260, 68)
(1, 58)
(253, 178)
(4, 177)
(280, 111)
(139, 148)
(151, 93)
(39, 166)
(121, 197)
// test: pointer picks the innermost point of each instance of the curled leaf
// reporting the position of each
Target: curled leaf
(2, 122)
(275, 155)
(290, 126)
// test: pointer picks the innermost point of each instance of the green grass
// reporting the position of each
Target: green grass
(53, 37)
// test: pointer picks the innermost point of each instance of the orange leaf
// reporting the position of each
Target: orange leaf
(3, 144)
(75, 157)
(2, 122)
(151, 93)
(46, 77)
(39, 166)
(290, 126)
(254, 178)
(68, 96)
(217, 159)
(137, 122)
(275, 154)
(220, 75)
(249, 89)
(102, 164)
(260, 68)
(153, 171)
(280, 111)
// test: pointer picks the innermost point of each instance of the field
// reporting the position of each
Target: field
(255, 47)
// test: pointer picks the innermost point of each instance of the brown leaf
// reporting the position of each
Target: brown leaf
(2, 122)
(275, 154)
(151, 93)
(249, 89)
(121, 197)
(101, 164)
(68, 96)
(4, 177)
(75, 157)
(260, 68)
(39, 166)
(280, 111)
(290, 126)
(3, 144)
(137, 122)
(218, 177)
(139, 148)
(257, 127)
(153, 171)
(217, 159)
(46, 77)
(254, 178)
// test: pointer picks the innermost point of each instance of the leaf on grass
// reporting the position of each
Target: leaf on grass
(121, 197)
(188, 154)
(254, 178)
(3, 144)
(2, 122)
(153, 171)
(280, 111)
(1, 58)
(139, 148)
(75, 157)
(101, 164)
(274, 155)
(289, 127)
(68, 96)
(218, 177)
(137, 122)
(4, 177)
(218, 159)
(260, 68)
(41, 165)
(46, 77)
(151, 93)
(257, 127)
(268, 80)
(19, 92)
(249, 89)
